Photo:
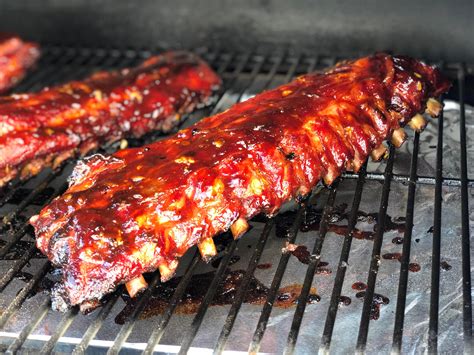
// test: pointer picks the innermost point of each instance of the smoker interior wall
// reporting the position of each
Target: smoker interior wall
(431, 29)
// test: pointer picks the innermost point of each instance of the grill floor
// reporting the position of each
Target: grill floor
(426, 184)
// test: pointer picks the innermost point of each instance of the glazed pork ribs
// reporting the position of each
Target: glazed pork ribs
(140, 209)
(45, 128)
(16, 57)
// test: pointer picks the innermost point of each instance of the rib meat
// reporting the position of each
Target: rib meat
(16, 57)
(45, 128)
(140, 209)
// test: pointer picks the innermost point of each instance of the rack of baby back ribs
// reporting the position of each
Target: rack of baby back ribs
(118, 228)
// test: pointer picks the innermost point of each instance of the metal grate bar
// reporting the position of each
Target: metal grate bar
(83, 67)
(127, 327)
(421, 180)
(157, 333)
(72, 69)
(131, 324)
(276, 64)
(240, 296)
(375, 260)
(51, 72)
(23, 294)
(56, 75)
(466, 250)
(63, 326)
(60, 64)
(92, 330)
(292, 69)
(8, 194)
(405, 260)
(28, 199)
(13, 239)
(343, 261)
(225, 62)
(223, 101)
(268, 305)
(310, 271)
(312, 65)
(46, 66)
(190, 335)
(436, 253)
(20, 232)
(96, 325)
(232, 82)
(11, 272)
(20, 263)
(26, 331)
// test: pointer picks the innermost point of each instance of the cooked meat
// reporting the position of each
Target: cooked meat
(16, 57)
(140, 209)
(44, 129)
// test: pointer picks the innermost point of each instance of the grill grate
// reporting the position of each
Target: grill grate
(244, 74)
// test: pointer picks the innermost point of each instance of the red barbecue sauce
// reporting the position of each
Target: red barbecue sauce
(144, 207)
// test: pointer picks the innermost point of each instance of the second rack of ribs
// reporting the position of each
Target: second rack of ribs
(140, 209)
(43, 129)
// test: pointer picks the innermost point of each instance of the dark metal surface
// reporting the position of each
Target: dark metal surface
(466, 249)
(433, 29)
(376, 255)
(435, 271)
(240, 72)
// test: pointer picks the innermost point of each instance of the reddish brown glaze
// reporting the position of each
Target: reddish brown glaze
(141, 209)
(45, 128)
(226, 292)
(16, 57)
(359, 286)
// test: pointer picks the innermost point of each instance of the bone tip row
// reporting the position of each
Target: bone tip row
(417, 123)
(207, 248)
(139, 283)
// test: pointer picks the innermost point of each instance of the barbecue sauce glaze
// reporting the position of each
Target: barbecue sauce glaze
(45, 128)
(141, 209)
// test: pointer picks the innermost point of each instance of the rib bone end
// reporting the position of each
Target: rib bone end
(167, 271)
(398, 137)
(433, 107)
(379, 153)
(136, 285)
(331, 175)
(239, 227)
(207, 249)
(418, 123)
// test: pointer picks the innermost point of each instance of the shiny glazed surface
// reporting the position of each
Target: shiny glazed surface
(45, 128)
(141, 209)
